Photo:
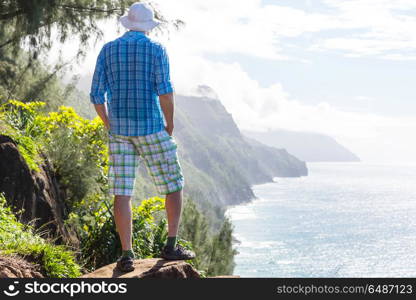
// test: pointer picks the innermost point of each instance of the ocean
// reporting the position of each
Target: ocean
(343, 220)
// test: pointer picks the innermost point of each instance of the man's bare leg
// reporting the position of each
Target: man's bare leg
(123, 219)
(173, 211)
(173, 206)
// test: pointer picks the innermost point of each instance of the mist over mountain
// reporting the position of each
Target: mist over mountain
(216, 154)
(307, 146)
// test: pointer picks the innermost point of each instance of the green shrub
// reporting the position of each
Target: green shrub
(17, 238)
(17, 120)
(75, 146)
(77, 149)
(214, 251)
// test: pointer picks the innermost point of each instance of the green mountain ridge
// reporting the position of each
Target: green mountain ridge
(307, 146)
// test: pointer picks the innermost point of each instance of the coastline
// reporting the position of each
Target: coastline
(309, 233)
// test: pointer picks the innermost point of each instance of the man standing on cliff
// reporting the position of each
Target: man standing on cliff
(133, 72)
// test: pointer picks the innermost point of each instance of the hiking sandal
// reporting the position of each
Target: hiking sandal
(125, 264)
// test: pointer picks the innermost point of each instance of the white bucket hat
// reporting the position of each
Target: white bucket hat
(139, 18)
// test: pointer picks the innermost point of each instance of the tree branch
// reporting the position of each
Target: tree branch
(18, 81)
(42, 83)
(11, 15)
(9, 41)
(83, 8)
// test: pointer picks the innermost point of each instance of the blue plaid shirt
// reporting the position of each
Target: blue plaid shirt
(131, 72)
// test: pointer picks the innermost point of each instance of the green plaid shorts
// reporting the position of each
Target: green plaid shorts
(159, 153)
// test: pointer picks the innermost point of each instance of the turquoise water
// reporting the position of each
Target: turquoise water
(343, 220)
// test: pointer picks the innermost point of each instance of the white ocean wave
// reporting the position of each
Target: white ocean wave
(243, 212)
(245, 243)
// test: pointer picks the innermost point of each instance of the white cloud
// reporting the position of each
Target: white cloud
(387, 26)
(356, 47)
(253, 29)
(221, 27)
(250, 28)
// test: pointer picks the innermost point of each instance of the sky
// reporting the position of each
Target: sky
(339, 67)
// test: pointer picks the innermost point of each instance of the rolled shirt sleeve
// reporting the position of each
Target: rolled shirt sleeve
(99, 81)
(163, 82)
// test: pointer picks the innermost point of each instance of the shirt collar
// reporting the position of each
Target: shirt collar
(134, 34)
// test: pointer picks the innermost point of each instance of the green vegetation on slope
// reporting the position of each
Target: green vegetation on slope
(17, 238)
(78, 151)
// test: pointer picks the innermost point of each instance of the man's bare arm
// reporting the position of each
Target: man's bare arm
(102, 113)
(168, 107)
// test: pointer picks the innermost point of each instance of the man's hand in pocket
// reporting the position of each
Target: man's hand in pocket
(169, 129)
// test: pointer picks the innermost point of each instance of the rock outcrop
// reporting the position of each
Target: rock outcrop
(14, 266)
(148, 268)
(36, 193)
